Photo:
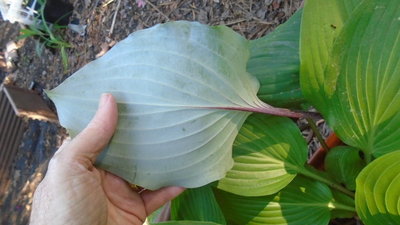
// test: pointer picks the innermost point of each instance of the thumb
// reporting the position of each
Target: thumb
(89, 143)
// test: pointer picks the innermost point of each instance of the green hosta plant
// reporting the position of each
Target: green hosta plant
(186, 92)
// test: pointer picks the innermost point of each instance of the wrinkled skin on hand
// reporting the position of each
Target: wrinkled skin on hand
(74, 191)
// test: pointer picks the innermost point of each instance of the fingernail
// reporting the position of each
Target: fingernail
(104, 99)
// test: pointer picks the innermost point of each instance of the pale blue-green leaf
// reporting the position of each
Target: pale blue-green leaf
(274, 61)
(178, 86)
(268, 153)
(378, 191)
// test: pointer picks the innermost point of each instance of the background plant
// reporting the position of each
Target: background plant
(48, 34)
(342, 57)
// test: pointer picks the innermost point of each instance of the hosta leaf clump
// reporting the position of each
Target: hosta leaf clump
(179, 87)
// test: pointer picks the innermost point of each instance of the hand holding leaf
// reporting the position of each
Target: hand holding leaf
(76, 192)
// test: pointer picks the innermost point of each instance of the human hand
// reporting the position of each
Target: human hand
(75, 192)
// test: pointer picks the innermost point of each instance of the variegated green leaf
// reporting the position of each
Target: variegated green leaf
(344, 163)
(274, 61)
(197, 204)
(365, 101)
(378, 191)
(342, 199)
(268, 153)
(321, 23)
(303, 201)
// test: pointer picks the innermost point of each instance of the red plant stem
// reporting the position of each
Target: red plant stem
(266, 110)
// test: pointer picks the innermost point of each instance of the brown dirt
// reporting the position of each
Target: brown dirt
(252, 19)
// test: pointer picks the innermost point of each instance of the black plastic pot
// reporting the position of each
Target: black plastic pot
(55, 11)
(58, 11)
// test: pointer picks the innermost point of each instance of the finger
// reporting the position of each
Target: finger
(63, 146)
(97, 134)
(155, 199)
(122, 196)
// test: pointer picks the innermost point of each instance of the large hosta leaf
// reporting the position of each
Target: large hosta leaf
(268, 154)
(303, 201)
(274, 60)
(320, 25)
(197, 204)
(365, 104)
(378, 191)
(344, 163)
(178, 87)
